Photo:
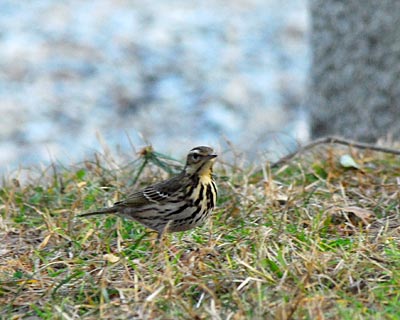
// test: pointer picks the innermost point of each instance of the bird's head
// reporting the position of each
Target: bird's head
(200, 161)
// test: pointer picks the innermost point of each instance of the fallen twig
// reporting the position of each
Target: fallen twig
(337, 140)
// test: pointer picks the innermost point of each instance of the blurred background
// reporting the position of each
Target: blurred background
(175, 74)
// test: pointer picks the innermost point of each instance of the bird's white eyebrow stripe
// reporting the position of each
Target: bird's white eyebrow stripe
(195, 151)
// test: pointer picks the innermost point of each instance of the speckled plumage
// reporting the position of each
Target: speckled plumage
(177, 204)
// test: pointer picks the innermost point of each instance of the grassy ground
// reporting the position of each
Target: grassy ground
(309, 240)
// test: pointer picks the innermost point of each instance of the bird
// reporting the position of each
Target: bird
(180, 203)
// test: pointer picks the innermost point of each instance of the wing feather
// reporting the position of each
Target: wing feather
(158, 193)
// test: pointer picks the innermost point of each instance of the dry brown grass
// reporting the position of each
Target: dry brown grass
(308, 240)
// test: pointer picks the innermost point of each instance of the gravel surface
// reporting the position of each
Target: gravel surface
(173, 73)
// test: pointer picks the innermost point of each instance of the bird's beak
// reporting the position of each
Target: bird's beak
(212, 156)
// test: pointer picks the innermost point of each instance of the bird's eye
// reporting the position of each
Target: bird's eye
(195, 157)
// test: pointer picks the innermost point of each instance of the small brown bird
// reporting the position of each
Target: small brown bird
(177, 204)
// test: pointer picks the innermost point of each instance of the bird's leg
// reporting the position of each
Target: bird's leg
(166, 228)
(159, 236)
(162, 231)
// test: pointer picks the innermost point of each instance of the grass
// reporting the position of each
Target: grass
(308, 240)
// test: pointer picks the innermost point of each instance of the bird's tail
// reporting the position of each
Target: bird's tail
(100, 211)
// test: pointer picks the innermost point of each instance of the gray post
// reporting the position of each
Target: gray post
(355, 73)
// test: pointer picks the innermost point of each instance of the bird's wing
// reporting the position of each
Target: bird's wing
(157, 193)
(135, 199)
(164, 191)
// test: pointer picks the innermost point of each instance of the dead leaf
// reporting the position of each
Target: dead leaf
(365, 215)
(110, 258)
(45, 241)
(347, 161)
